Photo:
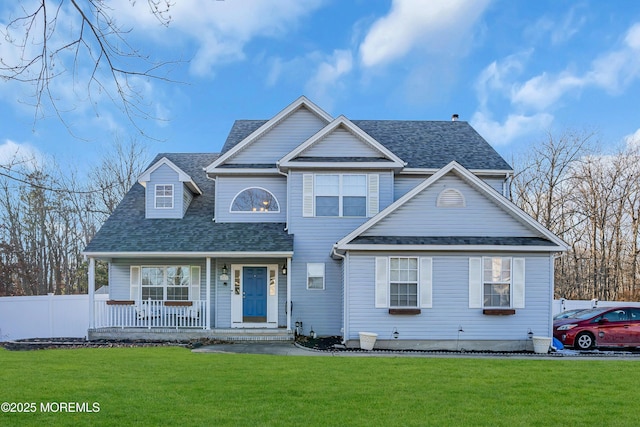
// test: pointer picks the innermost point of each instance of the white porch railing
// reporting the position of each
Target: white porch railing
(150, 314)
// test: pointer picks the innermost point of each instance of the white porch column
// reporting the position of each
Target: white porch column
(208, 280)
(289, 294)
(92, 290)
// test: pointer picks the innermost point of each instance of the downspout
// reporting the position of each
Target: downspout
(289, 305)
(506, 185)
(345, 305)
(92, 291)
(215, 193)
(208, 281)
(286, 227)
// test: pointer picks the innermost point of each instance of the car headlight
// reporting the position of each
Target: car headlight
(567, 327)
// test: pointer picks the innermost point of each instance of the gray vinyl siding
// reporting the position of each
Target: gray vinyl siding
(187, 197)
(402, 184)
(164, 175)
(314, 240)
(341, 142)
(480, 216)
(450, 311)
(495, 183)
(405, 183)
(281, 139)
(229, 187)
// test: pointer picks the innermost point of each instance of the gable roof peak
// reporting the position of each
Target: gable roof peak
(301, 102)
(474, 181)
(182, 175)
(342, 122)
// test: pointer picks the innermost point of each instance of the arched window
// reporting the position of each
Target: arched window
(255, 199)
(450, 198)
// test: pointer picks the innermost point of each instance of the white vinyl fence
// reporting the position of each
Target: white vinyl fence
(44, 316)
(57, 316)
(561, 305)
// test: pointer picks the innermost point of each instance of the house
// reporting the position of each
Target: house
(310, 224)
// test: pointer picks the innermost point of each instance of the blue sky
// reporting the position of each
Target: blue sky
(515, 70)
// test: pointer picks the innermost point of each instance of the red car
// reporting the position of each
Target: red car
(600, 327)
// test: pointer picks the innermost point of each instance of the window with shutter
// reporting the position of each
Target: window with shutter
(496, 283)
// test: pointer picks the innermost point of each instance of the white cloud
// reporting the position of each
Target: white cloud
(532, 99)
(544, 90)
(220, 29)
(633, 140)
(326, 80)
(611, 71)
(435, 26)
(558, 29)
(13, 154)
(499, 76)
(515, 126)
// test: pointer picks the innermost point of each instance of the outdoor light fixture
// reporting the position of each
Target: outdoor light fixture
(396, 334)
(284, 269)
(224, 276)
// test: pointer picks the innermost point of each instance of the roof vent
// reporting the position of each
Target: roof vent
(454, 117)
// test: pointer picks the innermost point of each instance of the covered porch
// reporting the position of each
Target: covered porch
(226, 296)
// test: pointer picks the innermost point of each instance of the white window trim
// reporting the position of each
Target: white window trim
(190, 286)
(510, 283)
(254, 212)
(321, 265)
(341, 195)
(383, 282)
(417, 282)
(516, 288)
(155, 195)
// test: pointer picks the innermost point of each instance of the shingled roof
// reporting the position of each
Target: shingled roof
(422, 144)
(127, 229)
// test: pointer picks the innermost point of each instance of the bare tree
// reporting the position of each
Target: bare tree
(81, 43)
(49, 214)
(590, 199)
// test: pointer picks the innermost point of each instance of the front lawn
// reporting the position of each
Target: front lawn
(172, 386)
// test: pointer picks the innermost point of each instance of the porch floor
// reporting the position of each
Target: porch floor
(187, 334)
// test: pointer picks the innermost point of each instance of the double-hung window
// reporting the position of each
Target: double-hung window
(164, 196)
(341, 195)
(403, 282)
(315, 276)
(497, 282)
(169, 283)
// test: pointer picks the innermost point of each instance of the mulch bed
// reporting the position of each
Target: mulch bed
(320, 343)
(61, 343)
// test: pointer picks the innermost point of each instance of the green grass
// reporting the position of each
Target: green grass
(172, 386)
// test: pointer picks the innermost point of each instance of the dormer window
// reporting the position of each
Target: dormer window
(164, 196)
(255, 199)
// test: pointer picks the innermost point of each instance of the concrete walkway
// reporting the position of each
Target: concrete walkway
(291, 349)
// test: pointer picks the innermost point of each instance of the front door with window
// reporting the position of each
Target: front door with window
(254, 303)
(254, 296)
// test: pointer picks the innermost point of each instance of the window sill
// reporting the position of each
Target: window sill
(498, 311)
(404, 311)
(120, 302)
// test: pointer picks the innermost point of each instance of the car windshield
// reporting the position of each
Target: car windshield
(587, 314)
(568, 313)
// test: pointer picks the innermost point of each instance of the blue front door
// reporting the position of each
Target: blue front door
(254, 303)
